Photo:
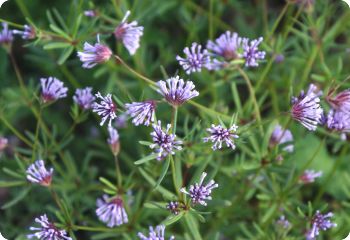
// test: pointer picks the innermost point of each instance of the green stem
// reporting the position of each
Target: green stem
(175, 110)
(118, 173)
(14, 130)
(252, 94)
(36, 141)
(278, 20)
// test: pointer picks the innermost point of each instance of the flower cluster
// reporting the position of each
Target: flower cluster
(3, 143)
(6, 36)
(220, 134)
(165, 143)
(27, 33)
(283, 222)
(200, 193)
(111, 211)
(141, 112)
(106, 108)
(282, 136)
(84, 98)
(52, 89)
(113, 140)
(309, 176)
(219, 53)
(47, 230)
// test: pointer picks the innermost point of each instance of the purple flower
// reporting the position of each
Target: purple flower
(341, 101)
(94, 54)
(47, 230)
(111, 211)
(319, 222)
(306, 108)
(129, 34)
(251, 53)
(173, 207)
(281, 136)
(283, 222)
(309, 176)
(339, 121)
(226, 46)
(164, 142)
(37, 173)
(200, 193)
(142, 112)
(155, 234)
(113, 140)
(195, 59)
(106, 108)
(3, 143)
(84, 98)
(176, 91)
(220, 134)
(6, 36)
(52, 89)
(27, 33)
(90, 13)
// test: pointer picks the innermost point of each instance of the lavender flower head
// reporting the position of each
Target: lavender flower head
(306, 108)
(281, 136)
(37, 173)
(339, 121)
(129, 34)
(173, 207)
(195, 59)
(3, 143)
(27, 33)
(319, 222)
(220, 134)
(309, 176)
(90, 13)
(141, 112)
(226, 46)
(341, 101)
(155, 234)
(6, 36)
(176, 91)
(94, 54)
(200, 193)
(111, 211)
(251, 53)
(84, 98)
(283, 222)
(164, 142)
(47, 230)
(52, 89)
(113, 140)
(106, 108)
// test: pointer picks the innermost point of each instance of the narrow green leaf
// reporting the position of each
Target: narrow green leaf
(146, 159)
(172, 219)
(55, 45)
(65, 55)
(193, 226)
(17, 199)
(107, 183)
(4, 184)
(164, 172)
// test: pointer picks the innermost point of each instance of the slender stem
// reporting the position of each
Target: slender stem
(36, 141)
(97, 229)
(19, 76)
(173, 171)
(14, 130)
(278, 20)
(252, 94)
(118, 172)
(56, 198)
(175, 110)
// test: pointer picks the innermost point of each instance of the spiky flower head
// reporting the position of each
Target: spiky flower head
(251, 52)
(94, 54)
(52, 89)
(165, 143)
(306, 108)
(106, 108)
(176, 91)
(111, 211)
(319, 222)
(27, 33)
(37, 173)
(129, 34)
(84, 98)
(200, 193)
(226, 46)
(113, 140)
(47, 230)
(309, 176)
(155, 234)
(6, 36)
(341, 102)
(141, 112)
(282, 136)
(283, 222)
(195, 58)
(220, 134)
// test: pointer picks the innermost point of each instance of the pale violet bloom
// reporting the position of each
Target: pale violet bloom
(319, 222)
(84, 98)
(282, 136)
(141, 112)
(155, 234)
(37, 173)
(52, 89)
(6, 36)
(309, 176)
(195, 58)
(220, 135)
(111, 211)
(129, 34)
(106, 108)
(251, 52)
(27, 33)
